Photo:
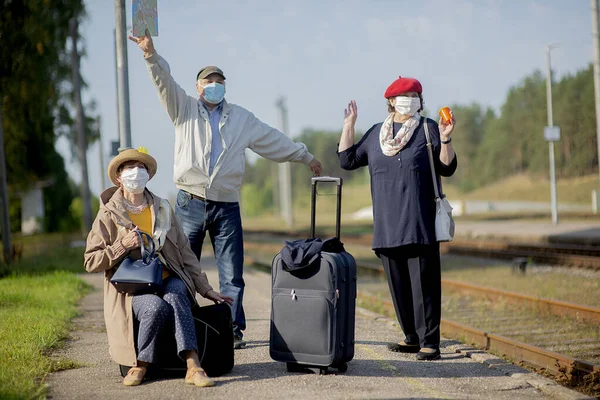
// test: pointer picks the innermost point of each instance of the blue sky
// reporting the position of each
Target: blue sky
(320, 54)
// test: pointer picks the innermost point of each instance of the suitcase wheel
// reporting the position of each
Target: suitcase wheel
(323, 371)
(343, 367)
(293, 367)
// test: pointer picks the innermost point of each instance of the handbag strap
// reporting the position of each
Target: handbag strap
(431, 164)
(146, 255)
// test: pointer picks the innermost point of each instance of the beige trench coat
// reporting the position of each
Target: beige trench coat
(104, 253)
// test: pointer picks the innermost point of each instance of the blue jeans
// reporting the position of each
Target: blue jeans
(223, 223)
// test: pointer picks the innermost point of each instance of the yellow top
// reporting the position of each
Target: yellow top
(143, 221)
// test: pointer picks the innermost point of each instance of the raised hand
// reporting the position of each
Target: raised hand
(350, 114)
(144, 42)
(446, 129)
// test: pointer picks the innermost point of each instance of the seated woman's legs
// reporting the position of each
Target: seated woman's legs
(153, 315)
(176, 296)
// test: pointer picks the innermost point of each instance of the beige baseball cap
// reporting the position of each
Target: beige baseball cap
(211, 69)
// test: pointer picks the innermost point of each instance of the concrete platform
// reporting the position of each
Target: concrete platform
(375, 372)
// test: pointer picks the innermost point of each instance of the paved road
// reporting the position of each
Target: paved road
(463, 373)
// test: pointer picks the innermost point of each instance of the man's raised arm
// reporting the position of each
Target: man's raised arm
(172, 96)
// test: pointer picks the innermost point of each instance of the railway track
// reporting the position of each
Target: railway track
(580, 256)
(571, 255)
(553, 337)
(500, 340)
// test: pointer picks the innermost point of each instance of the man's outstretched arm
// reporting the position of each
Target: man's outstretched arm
(172, 96)
(276, 146)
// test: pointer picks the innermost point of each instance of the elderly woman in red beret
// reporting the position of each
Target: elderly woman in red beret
(395, 151)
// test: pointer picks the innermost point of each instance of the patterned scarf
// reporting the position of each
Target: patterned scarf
(391, 145)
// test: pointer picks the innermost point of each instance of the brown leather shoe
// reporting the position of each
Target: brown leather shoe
(197, 376)
(135, 376)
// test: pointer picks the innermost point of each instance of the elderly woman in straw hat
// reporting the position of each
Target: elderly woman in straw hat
(124, 209)
(395, 151)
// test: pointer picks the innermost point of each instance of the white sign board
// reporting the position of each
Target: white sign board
(552, 133)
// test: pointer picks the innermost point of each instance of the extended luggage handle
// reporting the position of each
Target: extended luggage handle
(313, 202)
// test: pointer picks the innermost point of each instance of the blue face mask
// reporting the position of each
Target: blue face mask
(214, 92)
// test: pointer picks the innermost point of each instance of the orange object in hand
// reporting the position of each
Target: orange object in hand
(445, 115)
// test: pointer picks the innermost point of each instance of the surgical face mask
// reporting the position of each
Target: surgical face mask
(407, 105)
(134, 179)
(214, 92)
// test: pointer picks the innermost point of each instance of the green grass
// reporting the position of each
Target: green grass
(524, 188)
(54, 258)
(38, 299)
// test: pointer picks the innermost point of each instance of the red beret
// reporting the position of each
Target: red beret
(403, 85)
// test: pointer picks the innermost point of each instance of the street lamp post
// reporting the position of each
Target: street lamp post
(553, 199)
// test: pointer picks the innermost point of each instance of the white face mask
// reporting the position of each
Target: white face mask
(407, 105)
(134, 179)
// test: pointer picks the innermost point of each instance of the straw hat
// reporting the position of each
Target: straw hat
(140, 154)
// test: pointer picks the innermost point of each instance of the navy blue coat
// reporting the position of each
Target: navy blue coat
(401, 185)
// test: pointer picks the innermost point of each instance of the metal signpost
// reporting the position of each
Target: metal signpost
(551, 134)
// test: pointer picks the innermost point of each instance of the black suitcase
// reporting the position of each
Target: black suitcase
(313, 314)
(214, 333)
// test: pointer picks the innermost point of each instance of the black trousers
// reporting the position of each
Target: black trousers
(415, 281)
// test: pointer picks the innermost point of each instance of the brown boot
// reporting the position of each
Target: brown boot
(135, 376)
(197, 376)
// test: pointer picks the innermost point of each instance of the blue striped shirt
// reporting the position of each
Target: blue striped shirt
(214, 117)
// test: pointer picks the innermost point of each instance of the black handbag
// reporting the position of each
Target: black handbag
(140, 276)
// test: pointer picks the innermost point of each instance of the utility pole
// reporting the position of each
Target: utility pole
(274, 168)
(122, 75)
(79, 126)
(285, 176)
(553, 199)
(101, 155)
(596, 45)
(117, 86)
(6, 239)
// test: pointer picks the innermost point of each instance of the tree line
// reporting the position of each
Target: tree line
(36, 102)
(490, 145)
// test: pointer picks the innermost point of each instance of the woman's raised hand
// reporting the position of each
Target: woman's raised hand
(446, 129)
(350, 114)
(144, 42)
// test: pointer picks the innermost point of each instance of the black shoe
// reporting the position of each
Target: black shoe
(238, 343)
(429, 356)
(403, 347)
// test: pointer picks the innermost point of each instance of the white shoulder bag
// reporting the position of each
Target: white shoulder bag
(444, 224)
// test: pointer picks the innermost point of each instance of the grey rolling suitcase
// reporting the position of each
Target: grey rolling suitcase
(313, 314)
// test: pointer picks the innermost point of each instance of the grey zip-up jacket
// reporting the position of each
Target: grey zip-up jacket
(240, 130)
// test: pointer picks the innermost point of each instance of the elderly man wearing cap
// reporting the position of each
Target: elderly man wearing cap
(125, 208)
(211, 136)
(395, 151)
